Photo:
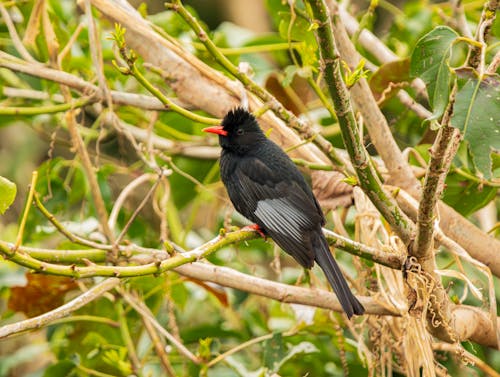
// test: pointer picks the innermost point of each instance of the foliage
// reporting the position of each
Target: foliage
(156, 174)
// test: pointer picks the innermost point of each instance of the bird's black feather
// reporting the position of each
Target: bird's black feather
(265, 186)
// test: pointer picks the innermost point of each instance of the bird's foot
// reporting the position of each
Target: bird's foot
(257, 228)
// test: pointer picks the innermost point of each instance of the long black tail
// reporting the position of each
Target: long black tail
(325, 259)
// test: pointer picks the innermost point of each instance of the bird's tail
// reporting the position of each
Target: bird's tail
(325, 259)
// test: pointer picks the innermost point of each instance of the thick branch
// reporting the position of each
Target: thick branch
(442, 153)
(376, 124)
(277, 291)
(477, 243)
(367, 175)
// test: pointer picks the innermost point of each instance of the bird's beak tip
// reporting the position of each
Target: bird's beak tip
(216, 130)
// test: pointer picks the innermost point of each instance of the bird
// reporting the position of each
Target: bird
(265, 186)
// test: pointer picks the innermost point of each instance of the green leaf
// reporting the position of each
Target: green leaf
(204, 348)
(292, 70)
(299, 31)
(477, 115)
(429, 61)
(274, 352)
(302, 347)
(466, 196)
(61, 369)
(8, 191)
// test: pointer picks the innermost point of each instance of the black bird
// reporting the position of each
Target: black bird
(266, 187)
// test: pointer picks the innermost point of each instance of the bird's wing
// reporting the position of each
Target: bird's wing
(280, 206)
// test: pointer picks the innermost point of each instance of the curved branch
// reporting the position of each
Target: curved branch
(60, 312)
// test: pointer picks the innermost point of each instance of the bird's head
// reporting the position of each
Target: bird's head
(238, 132)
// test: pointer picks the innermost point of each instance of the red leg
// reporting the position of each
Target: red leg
(257, 228)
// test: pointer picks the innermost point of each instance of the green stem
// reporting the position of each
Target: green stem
(166, 101)
(472, 177)
(42, 260)
(367, 176)
(203, 251)
(252, 49)
(66, 256)
(391, 260)
(127, 339)
(324, 100)
(27, 207)
(93, 372)
(49, 109)
(311, 165)
(88, 318)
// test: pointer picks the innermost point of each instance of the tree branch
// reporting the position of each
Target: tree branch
(47, 318)
(368, 178)
(84, 87)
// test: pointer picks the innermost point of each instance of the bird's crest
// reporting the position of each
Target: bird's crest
(236, 117)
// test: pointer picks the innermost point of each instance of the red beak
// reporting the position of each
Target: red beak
(216, 130)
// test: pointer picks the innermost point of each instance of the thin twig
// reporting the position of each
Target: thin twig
(144, 311)
(241, 346)
(127, 339)
(90, 173)
(461, 352)
(138, 209)
(27, 208)
(126, 191)
(120, 98)
(153, 268)
(47, 318)
(16, 41)
(158, 346)
(80, 240)
(49, 109)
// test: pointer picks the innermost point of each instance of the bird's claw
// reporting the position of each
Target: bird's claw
(256, 228)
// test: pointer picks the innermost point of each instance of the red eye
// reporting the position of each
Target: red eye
(240, 131)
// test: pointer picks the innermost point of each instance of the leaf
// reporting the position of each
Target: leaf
(274, 352)
(299, 31)
(466, 196)
(204, 350)
(62, 368)
(389, 78)
(275, 355)
(33, 28)
(429, 61)
(8, 192)
(477, 115)
(302, 347)
(41, 294)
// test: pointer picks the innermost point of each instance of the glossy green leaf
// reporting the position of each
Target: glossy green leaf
(429, 61)
(477, 116)
(8, 192)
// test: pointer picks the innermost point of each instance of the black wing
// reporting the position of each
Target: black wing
(278, 205)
